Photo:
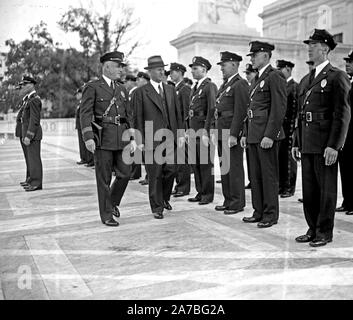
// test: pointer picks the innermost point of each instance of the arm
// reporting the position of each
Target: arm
(241, 102)
(211, 94)
(35, 107)
(86, 112)
(139, 122)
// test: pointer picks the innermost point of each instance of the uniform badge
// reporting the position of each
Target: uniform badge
(262, 84)
(228, 89)
(323, 83)
(194, 60)
(123, 94)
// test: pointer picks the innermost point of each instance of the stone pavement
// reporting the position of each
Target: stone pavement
(53, 245)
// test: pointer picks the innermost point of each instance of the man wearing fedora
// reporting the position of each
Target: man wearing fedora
(346, 155)
(176, 73)
(31, 134)
(230, 113)
(199, 117)
(156, 106)
(287, 165)
(262, 133)
(107, 103)
(322, 128)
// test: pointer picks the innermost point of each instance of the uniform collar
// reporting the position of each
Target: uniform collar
(263, 69)
(232, 77)
(200, 82)
(107, 80)
(320, 67)
(177, 84)
(289, 79)
(26, 97)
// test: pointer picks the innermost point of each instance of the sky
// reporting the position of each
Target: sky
(160, 21)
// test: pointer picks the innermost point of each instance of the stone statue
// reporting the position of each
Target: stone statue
(223, 11)
(325, 17)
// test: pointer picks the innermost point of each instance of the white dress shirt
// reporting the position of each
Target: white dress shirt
(320, 67)
(263, 69)
(156, 85)
(107, 80)
(230, 78)
(289, 79)
(199, 82)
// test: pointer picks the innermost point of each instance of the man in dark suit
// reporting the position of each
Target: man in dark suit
(346, 155)
(31, 132)
(157, 122)
(262, 133)
(229, 115)
(287, 165)
(107, 103)
(176, 73)
(322, 128)
(199, 116)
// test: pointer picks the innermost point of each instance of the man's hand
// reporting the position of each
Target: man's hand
(331, 156)
(141, 147)
(26, 141)
(181, 141)
(243, 142)
(232, 141)
(133, 146)
(205, 140)
(187, 138)
(296, 154)
(266, 143)
(90, 145)
(213, 139)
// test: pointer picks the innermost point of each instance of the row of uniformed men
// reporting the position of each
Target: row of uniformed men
(323, 119)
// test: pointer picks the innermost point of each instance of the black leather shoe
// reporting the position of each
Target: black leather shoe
(286, 195)
(111, 223)
(24, 183)
(349, 213)
(319, 243)
(304, 238)
(89, 165)
(158, 215)
(204, 202)
(174, 192)
(219, 181)
(300, 200)
(116, 212)
(341, 209)
(144, 182)
(81, 162)
(30, 188)
(179, 194)
(221, 208)
(251, 220)
(167, 206)
(230, 212)
(196, 199)
(248, 186)
(263, 225)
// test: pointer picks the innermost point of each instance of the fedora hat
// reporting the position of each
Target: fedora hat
(155, 62)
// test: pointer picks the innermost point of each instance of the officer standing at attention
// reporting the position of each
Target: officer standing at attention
(31, 131)
(262, 133)
(203, 101)
(287, 165)
(345, 157)
(107, 103)
(176, 73)
(230, 112)
(322, 129)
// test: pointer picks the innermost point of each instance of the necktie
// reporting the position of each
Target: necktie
(112, 84)
(312, 76)
(161, 91)
(195, 88)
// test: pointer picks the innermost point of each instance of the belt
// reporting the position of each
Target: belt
(251, 114)
(112, 120)
(218, 114)
(193, 113)
(314, 116)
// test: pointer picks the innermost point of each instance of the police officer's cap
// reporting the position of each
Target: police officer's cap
(310, 63)
(200, 61)
(323, 36)
(284, 63)
(177, 67)
(259, 46)
(130, 77)
(350, 56)
(229, 56)
(114, 56)
(143, 75)
(27, 80)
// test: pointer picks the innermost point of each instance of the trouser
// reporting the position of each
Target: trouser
(204, 178)
(160, 183)
(264, 181)
(25, 153)
(287, 167)
(233, 179)
(183, 176)
(85, 155)
(35, 163)
(135, 171)
(248, 163)
(346, 170)
(319, 195)
(110, 195)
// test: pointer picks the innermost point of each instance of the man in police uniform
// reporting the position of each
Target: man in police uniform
(263, 131)
(183, 91)
(287, 165)
(346, 155)
(321, 133)
(107, 103)
(157, 109)
(230, 113)
(31, 131)
(203, 101)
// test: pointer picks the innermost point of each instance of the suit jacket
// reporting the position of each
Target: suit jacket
(77, 118)
(183, 92)
(349, 141)
(18, 129)
(233, 97)
(96, 98)
(203, 101)
(292, 108)
(329, 95)
(148, 106)
(31, 127)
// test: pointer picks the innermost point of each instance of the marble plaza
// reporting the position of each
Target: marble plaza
(53, 245)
